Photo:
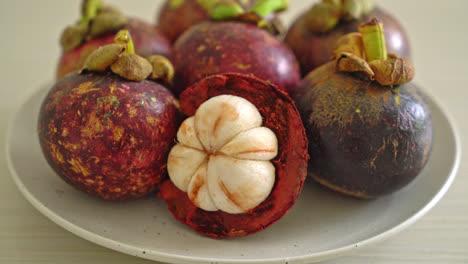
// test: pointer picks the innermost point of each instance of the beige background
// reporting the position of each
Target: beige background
(29, 52)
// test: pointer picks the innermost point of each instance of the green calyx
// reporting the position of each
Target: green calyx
(265, 7)
(231, 9)
(162, 69)
(107, 23)
(365, 52)
(257, 15)
(120, 59)
(224, 11)
(356, 9)
(73, 36)
(123, 37)
(221, 9)
(97, 20)
(89, 10)
(324, 16)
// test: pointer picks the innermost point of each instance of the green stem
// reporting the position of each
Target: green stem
(89, 11)
(374, 40)
(265, 7)
(221, 9)
(124, 37)
(224, 11)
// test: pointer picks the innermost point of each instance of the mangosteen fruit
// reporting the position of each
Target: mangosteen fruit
(241, 157)
(107, 130)
(97, 27)
(369, 128)
(176, 16)
(313, 35)
(238, 46)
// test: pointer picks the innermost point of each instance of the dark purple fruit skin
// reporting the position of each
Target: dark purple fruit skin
(362, 142)
(107, 136)
(315, 49)
(229, 47)
(174, 21)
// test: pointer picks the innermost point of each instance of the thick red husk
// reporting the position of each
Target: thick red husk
(315, 49)
(365, 139)
(108, 136)
(148, 41)
(279, 114)
(223, 47)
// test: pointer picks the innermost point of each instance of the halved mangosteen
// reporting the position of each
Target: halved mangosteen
(241, 158)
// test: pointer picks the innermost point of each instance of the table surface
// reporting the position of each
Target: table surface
(28, 57)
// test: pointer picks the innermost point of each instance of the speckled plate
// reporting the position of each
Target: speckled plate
(322, 225)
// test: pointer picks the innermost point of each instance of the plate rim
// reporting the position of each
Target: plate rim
(174, 258)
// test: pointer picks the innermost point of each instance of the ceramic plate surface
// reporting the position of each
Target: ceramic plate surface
(322, 224)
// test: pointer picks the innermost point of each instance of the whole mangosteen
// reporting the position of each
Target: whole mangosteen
(241, 157)
(97, 27)
(107, 131)
(235, 46)
(313, 35)
(176, 16)
(369, 129)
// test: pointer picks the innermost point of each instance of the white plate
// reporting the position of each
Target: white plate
(322, 224)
